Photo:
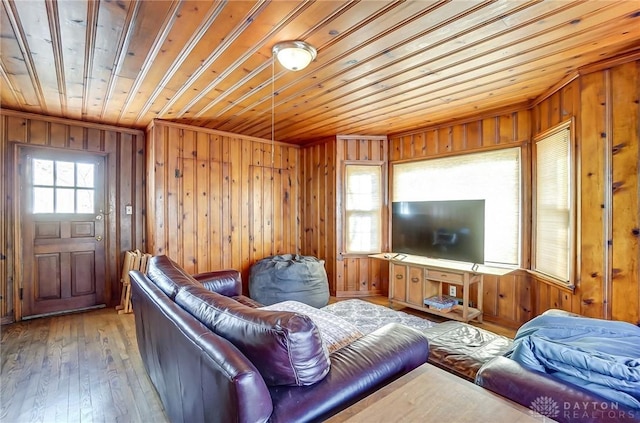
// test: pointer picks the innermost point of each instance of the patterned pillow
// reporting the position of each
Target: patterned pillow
(334, 331)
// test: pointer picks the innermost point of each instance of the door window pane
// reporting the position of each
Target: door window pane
(43, 172)
(43, 200)
(65, 201)
(85, 201)
(65, 174)
(85, 175)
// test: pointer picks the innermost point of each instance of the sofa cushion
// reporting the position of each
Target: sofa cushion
(168, 276)
(285, 347)
(462, 349)
(335, 331)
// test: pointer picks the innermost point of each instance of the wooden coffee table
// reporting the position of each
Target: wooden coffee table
(431, 394)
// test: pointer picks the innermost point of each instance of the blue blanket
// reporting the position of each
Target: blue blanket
(601, 356)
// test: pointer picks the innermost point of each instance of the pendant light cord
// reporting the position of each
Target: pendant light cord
(273, 111)
(273, 148)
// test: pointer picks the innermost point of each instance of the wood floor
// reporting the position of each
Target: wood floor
(83, 367)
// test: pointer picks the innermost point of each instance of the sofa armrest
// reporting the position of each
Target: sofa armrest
(226, 282)
(511, 380)
(208, 378)
(357, 370)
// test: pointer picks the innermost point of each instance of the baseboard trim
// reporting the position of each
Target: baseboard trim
(58, 313)
(7, 320)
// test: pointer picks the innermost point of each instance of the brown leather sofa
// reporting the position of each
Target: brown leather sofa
(213, 356)
(571, 403)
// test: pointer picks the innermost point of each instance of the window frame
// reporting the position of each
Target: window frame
(522, 203)
(572, 206)
(56, 187)
(382, 208)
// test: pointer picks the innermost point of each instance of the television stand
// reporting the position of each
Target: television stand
(414, 278)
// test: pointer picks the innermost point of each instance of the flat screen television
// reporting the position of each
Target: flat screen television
(452, 230)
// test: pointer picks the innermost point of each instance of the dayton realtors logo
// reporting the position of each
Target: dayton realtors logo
(580, 410)
(545, 407)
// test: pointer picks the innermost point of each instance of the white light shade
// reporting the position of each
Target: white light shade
(294, 55)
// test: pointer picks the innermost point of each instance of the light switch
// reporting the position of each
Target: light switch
(128, 209)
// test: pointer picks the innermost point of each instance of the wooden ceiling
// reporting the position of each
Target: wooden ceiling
(383, 67)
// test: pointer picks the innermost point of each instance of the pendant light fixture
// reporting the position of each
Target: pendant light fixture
(294, 55)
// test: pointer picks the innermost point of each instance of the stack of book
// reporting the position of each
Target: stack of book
(442, 303)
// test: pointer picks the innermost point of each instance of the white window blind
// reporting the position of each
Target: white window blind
(363, 208)
(493, 176)
(552, 212)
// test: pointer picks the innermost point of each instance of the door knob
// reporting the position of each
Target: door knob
(99, 217)
(98, 237)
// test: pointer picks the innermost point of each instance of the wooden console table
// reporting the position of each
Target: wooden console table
(431, 394)
(413, 278)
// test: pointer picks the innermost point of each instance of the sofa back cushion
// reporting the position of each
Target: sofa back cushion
(285, 347)
(168, 276)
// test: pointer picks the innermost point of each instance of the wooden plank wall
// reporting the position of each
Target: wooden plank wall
(319, 212)
(349, 275)
(605, 105)
(125, 153)
(624, 126)
(358, 275)
(6, 242)
(507, 299)
(560, 106)
(218, 199)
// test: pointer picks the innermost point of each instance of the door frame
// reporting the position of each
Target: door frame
(18, 169)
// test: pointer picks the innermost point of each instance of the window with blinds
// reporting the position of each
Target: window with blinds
(363, 208)
(493, 176)
(552, 211)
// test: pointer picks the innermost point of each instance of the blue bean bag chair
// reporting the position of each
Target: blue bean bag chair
(289, 277)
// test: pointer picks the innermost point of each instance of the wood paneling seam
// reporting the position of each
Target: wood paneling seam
(241, 59)
(90, 46)
(217, 52)
(56, 44)
(21, 38)
(123, 45)
(166, 26)
(608, 198)
(17, 95)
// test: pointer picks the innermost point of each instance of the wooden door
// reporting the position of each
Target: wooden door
(62, 227)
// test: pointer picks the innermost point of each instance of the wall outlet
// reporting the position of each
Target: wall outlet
(452, 290)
